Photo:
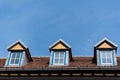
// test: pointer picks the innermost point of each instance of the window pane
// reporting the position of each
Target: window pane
(56, 55)
(13, 55)
(18, 55)
(56, 61)
(16, 61)
(12, 61)
(109, 60)
(61, 52)
(61, 61)
(103, 55)
(103, 60)
(109, 55)
(61, 56)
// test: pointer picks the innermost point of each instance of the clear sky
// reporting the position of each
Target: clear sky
(39, 23)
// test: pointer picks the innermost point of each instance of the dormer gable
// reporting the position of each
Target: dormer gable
(18, 45)
(60, 44)
(60, 49)
(105, 53)
(105, 43)
(18, 54)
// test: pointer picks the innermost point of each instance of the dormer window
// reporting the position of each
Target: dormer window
(59, 58)
(105, 53)
(18, 55)
(107, 57)
(60, 53)
(15, 58)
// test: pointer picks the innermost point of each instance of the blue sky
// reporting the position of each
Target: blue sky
(39, 23)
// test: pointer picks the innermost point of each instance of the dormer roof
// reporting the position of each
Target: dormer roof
(18, 45)
(105, 43)
(60, 44)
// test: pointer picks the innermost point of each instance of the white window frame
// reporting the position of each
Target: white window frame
(106, 52)
(10, 58)
(59, 54)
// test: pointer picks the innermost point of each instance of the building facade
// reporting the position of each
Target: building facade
(61, 64)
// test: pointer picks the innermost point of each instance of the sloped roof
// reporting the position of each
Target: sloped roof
(78, 62)
(105, 39)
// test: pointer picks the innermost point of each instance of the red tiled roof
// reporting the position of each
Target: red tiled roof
(43, 62)
(2, 62)
(38, 62)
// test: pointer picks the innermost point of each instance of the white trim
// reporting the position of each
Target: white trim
(17, 42)
(67, 58)
(24, 59)
(50, 62)
(59, 41)
(106, 40)
(7, 58)
(115, 60)
(98, 57)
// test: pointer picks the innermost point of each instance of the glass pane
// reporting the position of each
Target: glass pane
(61, 61)
(103, 60)
(56, 61)
(61, 52)
(103, 55)
(18, 55)
(16, 61)
(56, 54)
(56, 57)
(109, 60)
(13, 55)
(61, 56)
(109, 55)
(12, 61)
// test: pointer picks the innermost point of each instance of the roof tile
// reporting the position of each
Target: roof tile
(78, 62)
